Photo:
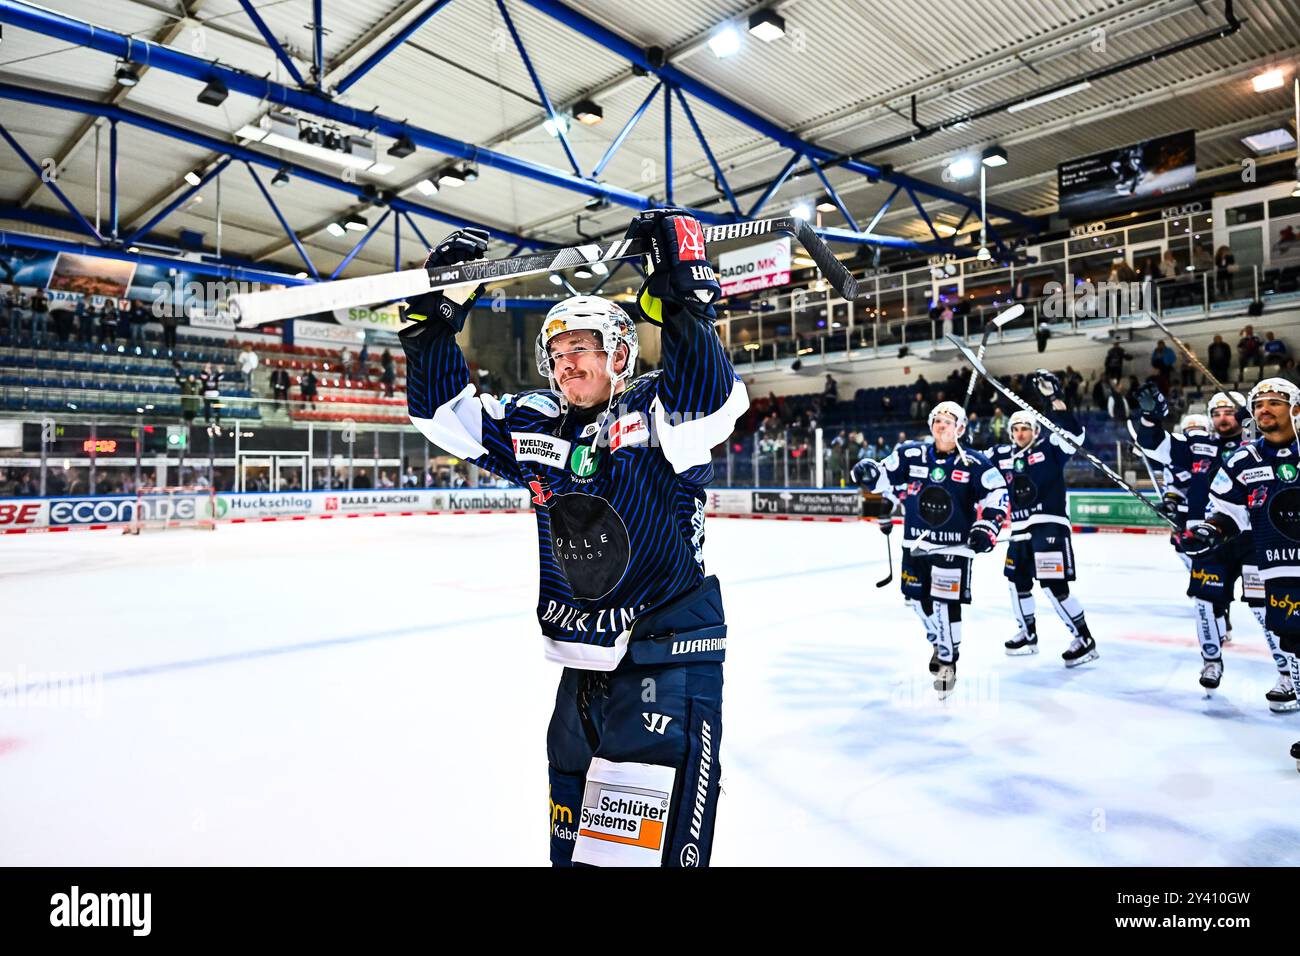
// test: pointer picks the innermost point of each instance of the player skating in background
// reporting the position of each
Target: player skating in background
(1040, 549)
(1173, 498)
(954, 502)
(1258, 490)
(1214, 573)
(616, 465)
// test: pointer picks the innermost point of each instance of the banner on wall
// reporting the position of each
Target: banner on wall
(91, 275)
(308, 330)
(1119, 178)
(764, 266)
(382, 319)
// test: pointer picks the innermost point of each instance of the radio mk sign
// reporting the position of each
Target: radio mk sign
(764, 266)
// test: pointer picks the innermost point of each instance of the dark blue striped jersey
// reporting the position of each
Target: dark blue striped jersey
(618, 492)
(942, 494)
(1035, 475)
(1195, 462)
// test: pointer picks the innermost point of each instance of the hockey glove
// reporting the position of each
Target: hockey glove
(679, 277)
(865, 474)
(1152, 402)
(1202, 539)
(1047, 384)
(451, 305)
(1171, 504)
(983, 536)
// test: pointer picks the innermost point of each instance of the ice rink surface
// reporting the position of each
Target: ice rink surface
(373, 691)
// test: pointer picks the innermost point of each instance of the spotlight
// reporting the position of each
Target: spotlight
(469, 171)
(281, 177)
(725, 41)
(767, 25)
(1268, 80)
(963, 167)
(984, 255)
(556, 280)
(193, 178)
(427, 187)
(335, 229)
(554, 127)
(451, 176)
(300, 275)
(126, 74)
(582, 272)
(356, 222)
(214, 94)
(402, 147)
(825, 204)
(588, 112)
(801, 210)
(994, 156)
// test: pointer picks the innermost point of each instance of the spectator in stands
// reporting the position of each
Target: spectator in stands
(1116, 356)
(124, 323)
(1274, 350)
(388, 373)
(280, 385)
(1116, 401)
(831, 390)
(363, 363)
(1168, 267)
(248, 364)
(918, 410)
(1202, 259)
(1289, 371)
(836, 466)
(1225, 264)
(945, 320)
(40, 307)
(998, 424)
(922, 386)
(974, 431)
(308, 385)
(85, 313)
(887, 405)
(1162, 363)
(1219, 358)
(9, 310)
(62, 317)
(26, 487)
(107, 322)
(902, 437)
(880, 450)
(1073, 382)
(386, 480)
(137, 316)
(169, 322)
(1121, 271)
(345, 361)
(210, 380)
(1188, 375)
(1248, 350)
(190, 388)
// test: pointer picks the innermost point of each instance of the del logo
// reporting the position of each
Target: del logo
(628, 430)
(331, 503)
(1257, 497)
(583, 461)
(1284, 602)
(1206, 577)
(690, 240)
(1200, 465)
(961, 476)
(937, 474)
(540, 493)
(1037, 457)
(1286, 471)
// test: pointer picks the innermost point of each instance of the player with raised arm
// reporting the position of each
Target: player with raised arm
(616, 465)
(1033, 464)
(1258, 490)
(954, 502)
(1214, 573)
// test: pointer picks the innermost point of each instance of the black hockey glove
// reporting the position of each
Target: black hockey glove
(1047, 384)
(983, 536)
(865, 473)
(451, 305)
(1151, 402)
(1171, 504)
(1202, 539)
(679, 275)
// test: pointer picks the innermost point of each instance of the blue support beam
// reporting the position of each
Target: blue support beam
(272, 42)
(172, 131)
(54, 187)
(924, 215)
(418, 234)
(884, 208)
(627, 128)
(560, 132)
(318, 41)
(360, 245)
(176, 203)
(668, 143)
(397, 243)
(775, 184)
(704, 144)
(835, 197)
(397, 40)
(635, 54)
(609, 275)
(284, 223)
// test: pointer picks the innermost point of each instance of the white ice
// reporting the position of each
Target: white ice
(373, 691)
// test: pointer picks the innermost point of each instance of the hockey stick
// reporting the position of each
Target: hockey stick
(1058, 431)
(889, 553)
(999, 320)
(256, 308)
(1191, 357)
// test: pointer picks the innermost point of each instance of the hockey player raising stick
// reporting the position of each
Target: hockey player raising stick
(1033, 465)
(954, 502)
(1214, 573)
(616, 465)
(1258, 490)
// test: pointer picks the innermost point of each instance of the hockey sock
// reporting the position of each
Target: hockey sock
(1274, 647)
(1209, 630)
(1022, 603)
(949, 630)
(954, 626)
(1068, 608)
(926, 620)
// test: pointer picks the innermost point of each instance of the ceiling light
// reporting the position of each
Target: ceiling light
(588, 112)
(945, 230)
(451, 176)
(402, 147)
(994, 156)
(582, 272)
(126, 74)
(801, 210)
(1048, 97)
(300, 275)
(767, 25)
(275, 134)
(556, 126)
(469, 171)
(725, 41)
(984, 255)
(133, 249)
(281, 177)
(600, 268)
(1270, 140)
(193, 178)
(556, 280)
(826, 204)
(1295, 193)
(356, 222)
(1268, 80)
(427, 187)
(335, 229)
(214, 94)
(963, 167)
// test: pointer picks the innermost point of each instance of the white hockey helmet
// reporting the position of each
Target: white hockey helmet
(594, 314)
(1193, 424)
(952, 409)
(1224, 400)
(1275, 388)
(1023, 417)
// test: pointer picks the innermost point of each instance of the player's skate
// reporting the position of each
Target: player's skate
(1082, 649)
(1211, 674)
(1022, 644)
(945, 679)
(1295, 754)
(1281, 699)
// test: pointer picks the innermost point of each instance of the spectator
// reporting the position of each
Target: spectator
(308, 385)
(190, 388)
(9, 310)
(123, 322)
(62, 317)
(1289, 371)
(137, 316)
(1225, 264)
(887, 405)
(210, 380)
(248, 364)
(880, 450)
(1248, 350)
(169, 322)
(1274, 350)
(998, 423)
(1121, 271)
(1101, 393)
(345, 361)
(945, 318)
(85, 313)
(902, 437)
(1168, 267)
(1202, 260)
(363, 363)
(40, 307)
(280, 386)
(1114, 363)
(831, 391)
(1219, 358)
(923, 387)
(974, 431)
(107, 322)
(1163, 358)
(389, 374)
(917, 411)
